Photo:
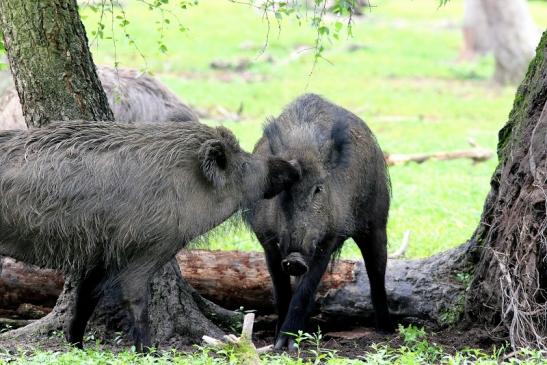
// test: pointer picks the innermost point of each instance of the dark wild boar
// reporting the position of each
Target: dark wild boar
(344, 192)
(114, 202)
(133, 97)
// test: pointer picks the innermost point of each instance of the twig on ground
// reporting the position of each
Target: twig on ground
(243, 344)
(404, 246)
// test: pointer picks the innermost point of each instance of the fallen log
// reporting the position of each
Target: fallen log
(426, 288)
(26, 284)
(476, 154)
(14, 323)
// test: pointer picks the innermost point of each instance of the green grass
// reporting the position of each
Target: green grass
(405, 82)
(415, 348)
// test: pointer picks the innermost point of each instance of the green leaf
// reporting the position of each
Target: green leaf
(323, 30)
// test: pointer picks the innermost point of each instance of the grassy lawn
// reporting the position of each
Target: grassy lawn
(402, 77)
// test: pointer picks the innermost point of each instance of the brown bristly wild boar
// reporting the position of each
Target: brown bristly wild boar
(133, 96)
(112, 203)
(343, 192)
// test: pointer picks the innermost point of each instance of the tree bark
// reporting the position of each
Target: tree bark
(428, 289)
(510, 282)
(50, 62)
(56, 79)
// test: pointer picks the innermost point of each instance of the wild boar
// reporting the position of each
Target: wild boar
(134, 97)
(111, 203)
(343, 192)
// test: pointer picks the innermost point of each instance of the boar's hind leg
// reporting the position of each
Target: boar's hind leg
(135, 291)
(88, 294)
(373, 246)
(303, 299)
(281, 282)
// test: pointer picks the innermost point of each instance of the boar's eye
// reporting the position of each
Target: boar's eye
(318, 189)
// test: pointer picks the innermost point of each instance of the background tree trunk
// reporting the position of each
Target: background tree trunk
(510, 282)
(56, 79)
(477, 39)
(513, 34)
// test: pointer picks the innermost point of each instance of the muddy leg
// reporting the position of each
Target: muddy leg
(280, 280)
(135, 295)
(303, 299)
(88, 294)
(373, 246)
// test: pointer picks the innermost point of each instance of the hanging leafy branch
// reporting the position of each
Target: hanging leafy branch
(311, 12)
(119, 17)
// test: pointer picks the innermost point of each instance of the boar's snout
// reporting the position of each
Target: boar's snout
(294, 264)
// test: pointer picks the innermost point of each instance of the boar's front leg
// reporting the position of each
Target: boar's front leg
(88, 293)
(303, 299)
(281, 281)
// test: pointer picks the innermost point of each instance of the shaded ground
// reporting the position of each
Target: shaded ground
(450, 340)
(345, 342)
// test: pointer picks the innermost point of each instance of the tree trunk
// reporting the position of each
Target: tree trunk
(510, 282)
(56, 80)
(514, 37)
(477, 39)
(50, 62)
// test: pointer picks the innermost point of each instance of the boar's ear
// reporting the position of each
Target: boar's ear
(274, 136)
(213, 162)
(338, 149)
(281, 175)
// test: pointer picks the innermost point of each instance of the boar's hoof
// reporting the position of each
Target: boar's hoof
(294, 264)
(285, 341)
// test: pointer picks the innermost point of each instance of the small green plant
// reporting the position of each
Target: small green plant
(298, 340)
(411, 334)
(465, 278)
(451, 316)
(314, 340)
(417, 346)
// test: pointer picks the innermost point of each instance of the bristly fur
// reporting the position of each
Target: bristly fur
(274, 136)
(134, 97)
(306, 114)
(76, 193)
(341, 143)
